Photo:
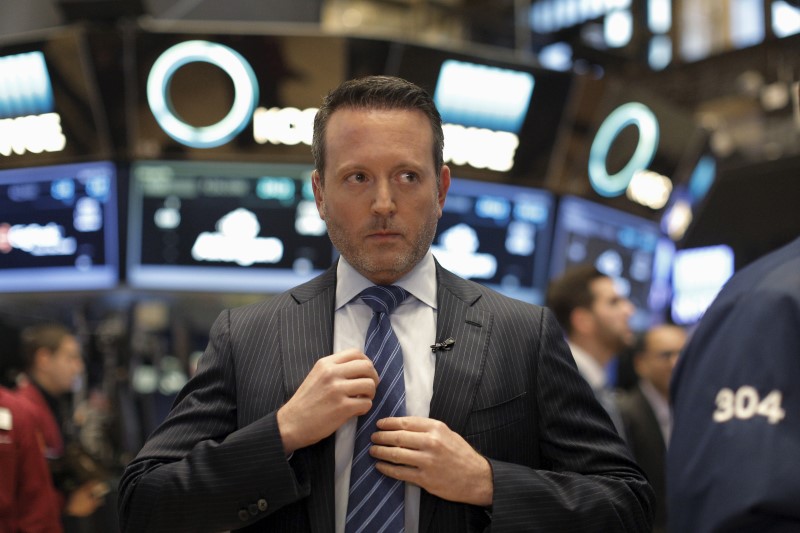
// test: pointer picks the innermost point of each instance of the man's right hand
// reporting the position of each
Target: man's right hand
(338, 387)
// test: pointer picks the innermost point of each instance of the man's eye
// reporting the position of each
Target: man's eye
(409, 176)
(358, 177)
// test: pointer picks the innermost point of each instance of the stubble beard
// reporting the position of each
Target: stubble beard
(621, 341)
(374, 268)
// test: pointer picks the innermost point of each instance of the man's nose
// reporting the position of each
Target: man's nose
(629, 308)
(383, 202)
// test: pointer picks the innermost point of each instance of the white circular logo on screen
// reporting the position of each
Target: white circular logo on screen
(632, 113)
(232, 63)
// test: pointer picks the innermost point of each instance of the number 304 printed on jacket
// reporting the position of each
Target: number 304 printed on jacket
(745, 403)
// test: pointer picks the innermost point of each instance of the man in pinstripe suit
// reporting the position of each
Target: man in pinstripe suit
(501, 431)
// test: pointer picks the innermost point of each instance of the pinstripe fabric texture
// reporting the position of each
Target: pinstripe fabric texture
(376, 502)
(509, 386)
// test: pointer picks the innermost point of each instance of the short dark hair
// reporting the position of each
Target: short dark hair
(376, 92)
(570, 291)
(643, 339)
(48, 336)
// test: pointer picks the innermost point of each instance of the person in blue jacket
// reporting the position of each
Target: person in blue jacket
(734, 459)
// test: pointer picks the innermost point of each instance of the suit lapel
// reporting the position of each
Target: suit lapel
(307, 335)
(458, 371)
(307, 328)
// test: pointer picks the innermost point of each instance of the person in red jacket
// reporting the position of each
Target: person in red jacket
(28, 501)
(53, 361)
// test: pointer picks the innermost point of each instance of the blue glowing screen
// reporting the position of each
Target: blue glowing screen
(482, 96)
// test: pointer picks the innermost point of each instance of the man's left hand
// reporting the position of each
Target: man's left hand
(427, 453)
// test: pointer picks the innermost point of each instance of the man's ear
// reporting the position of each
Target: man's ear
(581, 319)
(316, 186)
(41, 357)
(444, 186)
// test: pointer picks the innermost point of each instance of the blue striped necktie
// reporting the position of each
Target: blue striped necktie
(376, 501)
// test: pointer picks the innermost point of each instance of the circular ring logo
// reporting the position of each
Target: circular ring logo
(631, 113)
(244, 101)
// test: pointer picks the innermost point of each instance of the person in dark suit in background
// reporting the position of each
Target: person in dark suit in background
(645, 408)
(732, 459)
(595, 318)
(500, 431)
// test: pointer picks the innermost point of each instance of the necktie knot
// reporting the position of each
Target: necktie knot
(383, 298)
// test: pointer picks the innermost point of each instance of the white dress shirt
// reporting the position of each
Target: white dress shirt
(414, 323)
(660, 407)
(595, 374)
(590, 369)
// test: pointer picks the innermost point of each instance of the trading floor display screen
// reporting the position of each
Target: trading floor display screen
(233, 227)
(497, 235)
(629, 249)
(58, 228)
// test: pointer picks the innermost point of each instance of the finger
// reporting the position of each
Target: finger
(394, 454)
(401, 472)
(350, 354)
(357, 406)
(412, 440)
(359, 388)
(408, 423)
(359, 369)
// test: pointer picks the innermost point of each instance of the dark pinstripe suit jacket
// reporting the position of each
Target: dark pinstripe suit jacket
(509, 386)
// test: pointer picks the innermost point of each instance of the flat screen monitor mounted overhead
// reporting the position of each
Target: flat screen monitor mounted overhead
(51, 109)
(497, 235)
(230, 227)
(698, 274)
(257, 100)
(58, 228)
(626, 145)
(629, 249)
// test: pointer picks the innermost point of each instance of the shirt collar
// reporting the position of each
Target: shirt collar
(420, 282)
(590, 369)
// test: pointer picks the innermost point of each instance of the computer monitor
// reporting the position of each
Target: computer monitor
(58, 228)
(497, 235)
(629, 249)
(230, 227)
(51, 108)
(698, 274)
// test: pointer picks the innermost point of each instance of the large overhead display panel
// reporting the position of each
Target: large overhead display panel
(625, 146)
(229, 97)
(58, 228)
(231, 227)
(629, 249)
(498, 235)
(50, 108)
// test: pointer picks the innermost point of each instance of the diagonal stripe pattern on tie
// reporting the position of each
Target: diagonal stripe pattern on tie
(376, 502)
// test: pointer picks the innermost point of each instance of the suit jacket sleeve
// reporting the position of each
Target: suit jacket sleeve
(582, 477)
(732, 461)
(201, 471)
